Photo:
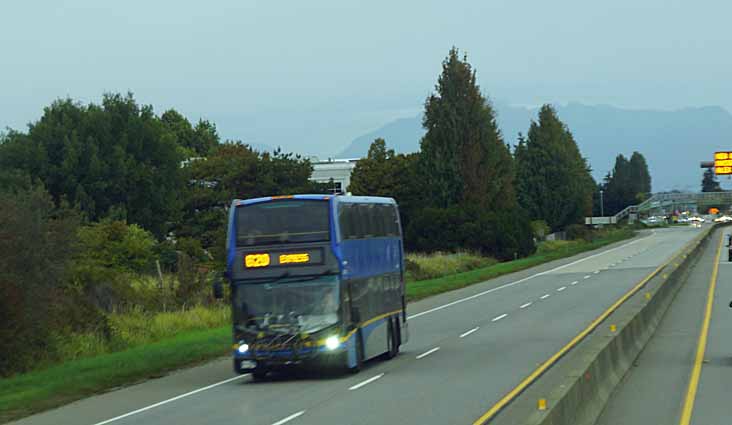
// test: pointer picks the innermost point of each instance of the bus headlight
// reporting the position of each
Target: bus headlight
(243, 348)
(332, 342)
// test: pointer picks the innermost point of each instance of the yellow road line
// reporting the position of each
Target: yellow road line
(702, 345)
(511, 395)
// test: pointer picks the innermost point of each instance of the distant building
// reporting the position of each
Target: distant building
(335, 172)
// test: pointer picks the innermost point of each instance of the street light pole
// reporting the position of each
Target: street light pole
(602, 207)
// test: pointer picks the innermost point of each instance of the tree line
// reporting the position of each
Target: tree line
(95, 196)
(468, 189)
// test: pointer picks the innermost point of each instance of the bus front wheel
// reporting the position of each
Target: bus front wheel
(259, 373)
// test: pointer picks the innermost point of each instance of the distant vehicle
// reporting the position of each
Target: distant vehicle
(654, 221)
(316, 280)
(723, 219)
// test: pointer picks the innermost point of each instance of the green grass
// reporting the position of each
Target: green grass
(35, 391)
(203, 334)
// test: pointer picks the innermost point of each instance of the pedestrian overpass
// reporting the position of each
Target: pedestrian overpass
(667, 203)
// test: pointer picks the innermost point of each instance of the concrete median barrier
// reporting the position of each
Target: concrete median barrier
(574, 391)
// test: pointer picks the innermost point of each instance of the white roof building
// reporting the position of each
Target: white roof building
(337, 170)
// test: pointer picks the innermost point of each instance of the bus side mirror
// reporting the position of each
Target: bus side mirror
(730, 304)
(218, 289)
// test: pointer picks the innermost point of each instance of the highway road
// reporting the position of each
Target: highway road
(656, 390)
(467, 349)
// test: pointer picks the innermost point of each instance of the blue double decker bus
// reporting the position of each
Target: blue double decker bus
(315, 280)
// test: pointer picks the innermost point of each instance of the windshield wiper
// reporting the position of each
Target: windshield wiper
(325, 273)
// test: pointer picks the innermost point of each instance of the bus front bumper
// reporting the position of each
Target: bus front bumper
(287, 357)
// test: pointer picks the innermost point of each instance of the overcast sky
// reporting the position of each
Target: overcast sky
(313, 75)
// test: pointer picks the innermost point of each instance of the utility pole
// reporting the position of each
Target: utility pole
(602, 207)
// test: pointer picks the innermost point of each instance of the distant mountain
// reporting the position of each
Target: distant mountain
(673, 142)
(401, 135)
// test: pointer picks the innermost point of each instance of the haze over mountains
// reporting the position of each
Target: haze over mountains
(673, 142)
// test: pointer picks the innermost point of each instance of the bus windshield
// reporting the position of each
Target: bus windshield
(288, 306)
(282, 221)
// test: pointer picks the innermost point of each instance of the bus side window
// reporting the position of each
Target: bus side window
(365, 221)
(349, 221)
(382, 217)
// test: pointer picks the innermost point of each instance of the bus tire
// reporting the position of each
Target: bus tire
(392, 340)
(259, 374)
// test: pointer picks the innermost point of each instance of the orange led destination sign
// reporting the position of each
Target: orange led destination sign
(294, 258)
(722, 163)
(275, 259)
(256, 260)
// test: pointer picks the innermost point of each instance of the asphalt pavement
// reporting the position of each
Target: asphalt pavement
(655, 389)
(467, 349)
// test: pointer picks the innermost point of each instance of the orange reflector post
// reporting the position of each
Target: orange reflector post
(613, 328)
(542, 404)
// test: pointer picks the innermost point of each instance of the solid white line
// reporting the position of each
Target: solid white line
(469, 332)
(170, 400)
(366, 382)
(525, 305)
(497, 318)
(508, 285)
(425, 354)
(587, 277)
(543, 297)
(574, 283)
(561, 289)
(289, 418)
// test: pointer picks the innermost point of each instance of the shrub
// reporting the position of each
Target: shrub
(35, 242)
(108, 254)
(503, 235)
(430, 266)
(540, 229)
(578, 231)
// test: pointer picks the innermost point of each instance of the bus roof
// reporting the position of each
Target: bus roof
(337, 198)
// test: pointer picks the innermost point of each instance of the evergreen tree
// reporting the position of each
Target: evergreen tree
(640, 176)
(192, 142)
(463, 157)
(709, 182)
(553, 179)
(618, 187)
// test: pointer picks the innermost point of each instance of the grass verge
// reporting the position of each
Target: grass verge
(40, 390)
(35, 391)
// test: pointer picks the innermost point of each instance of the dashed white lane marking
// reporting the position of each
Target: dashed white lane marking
(525, 305)
(463, 335)
(508, 285)
(596, 271)
(574, 283)
(427, 353)
(497, 318)
(545, 296)
(587, 277)
(561, 289)
(289, 418)
(170, 400)
(366, 382)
